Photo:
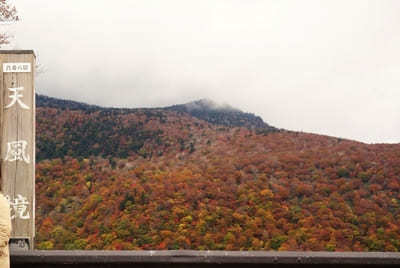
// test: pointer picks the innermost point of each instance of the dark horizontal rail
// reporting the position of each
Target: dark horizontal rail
(177, 258)
(17, 52)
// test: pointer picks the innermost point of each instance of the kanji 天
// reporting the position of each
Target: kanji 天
(16, 97)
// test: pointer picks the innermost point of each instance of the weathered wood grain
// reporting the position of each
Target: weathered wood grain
(18, 126)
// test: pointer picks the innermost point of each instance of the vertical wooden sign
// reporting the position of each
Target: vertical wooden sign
(17, 106)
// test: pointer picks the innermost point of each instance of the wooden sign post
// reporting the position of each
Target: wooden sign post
(17, 137)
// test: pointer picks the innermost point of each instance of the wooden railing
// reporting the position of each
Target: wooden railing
(179, 258)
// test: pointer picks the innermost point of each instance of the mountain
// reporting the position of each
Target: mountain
(45, 101)
(225, 115)
(83, 130)
(174, 178)
(204, 109)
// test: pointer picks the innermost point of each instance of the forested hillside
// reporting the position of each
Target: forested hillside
(167, 178)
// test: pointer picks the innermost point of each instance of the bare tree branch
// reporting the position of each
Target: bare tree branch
(8, 14)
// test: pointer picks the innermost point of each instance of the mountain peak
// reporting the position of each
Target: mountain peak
(221, 114)
(208, 104)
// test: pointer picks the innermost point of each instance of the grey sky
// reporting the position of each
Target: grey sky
(329, 67)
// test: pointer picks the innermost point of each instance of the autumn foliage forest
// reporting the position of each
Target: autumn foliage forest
(176, 179)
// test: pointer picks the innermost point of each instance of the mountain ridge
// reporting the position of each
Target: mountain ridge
(204, 109)
(226, 115)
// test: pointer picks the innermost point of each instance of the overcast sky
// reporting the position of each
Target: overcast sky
(328, 67)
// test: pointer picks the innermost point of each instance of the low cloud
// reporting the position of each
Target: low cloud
(324, 67)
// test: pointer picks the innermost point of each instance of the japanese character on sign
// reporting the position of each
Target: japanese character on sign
(17, 67)
(19, 207)
(16, 150)
(16, 98)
